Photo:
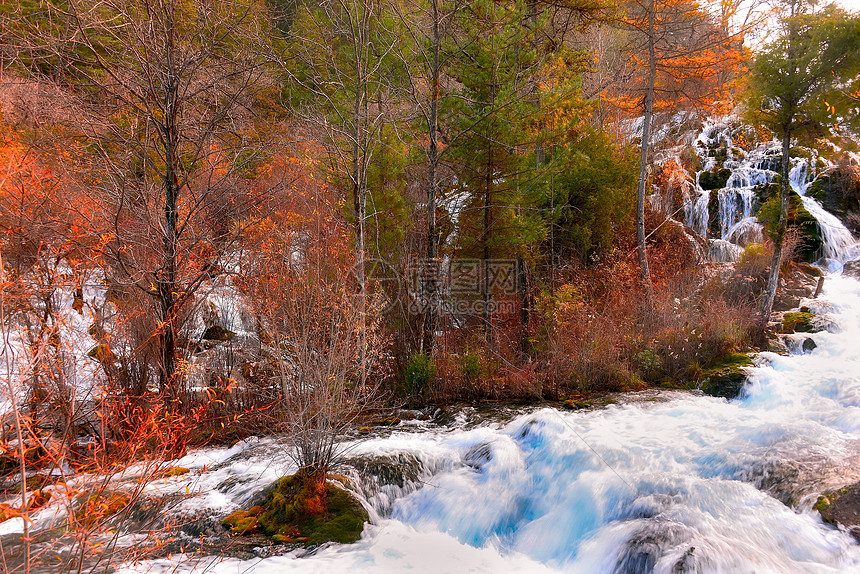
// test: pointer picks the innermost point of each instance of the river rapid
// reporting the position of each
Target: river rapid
(664, 482)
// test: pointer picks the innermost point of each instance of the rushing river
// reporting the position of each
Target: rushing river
(663, 482)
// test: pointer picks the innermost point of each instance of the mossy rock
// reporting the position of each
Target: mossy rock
(175, 471)
(798, 322)
(727, 379)
(841, 508)
(576, 405)
(810, 270)
(715, 178)
(100, 505)
(811, 243)
(304, 509)
(218, 333)
(36, 482)
(242, 521)
(387, 422)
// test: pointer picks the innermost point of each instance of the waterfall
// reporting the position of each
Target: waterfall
(735, 205)
(696, 210)
(838, 243)
(737, 201)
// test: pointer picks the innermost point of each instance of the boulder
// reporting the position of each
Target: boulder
(217, 333)
(727, 379)
(841, 508)
(778, 347)
(851, 269)
(305, 509)
(797, 322)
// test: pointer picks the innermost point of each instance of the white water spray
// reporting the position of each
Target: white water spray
(677, 483)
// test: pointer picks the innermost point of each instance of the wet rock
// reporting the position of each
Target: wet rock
(851, 269)
(824, 323)
(817, 306)
(808, 345)
(778, 347)
(644, 549)
(476, 457)
(576, 405)
(727, 379)
(218, 333)
(399, 469)
(721, 251)
(842, 508)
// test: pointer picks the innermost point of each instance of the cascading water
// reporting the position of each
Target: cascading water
(670, 483)
(735, 205)
(737, 198)
(838, 243)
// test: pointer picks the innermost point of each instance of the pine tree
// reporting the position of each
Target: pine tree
(815, 52)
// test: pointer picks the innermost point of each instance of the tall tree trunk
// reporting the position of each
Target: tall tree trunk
(359, 171)
(167, 287)
(645, 273)
(776, 260)
(431, 268)
(485, 256)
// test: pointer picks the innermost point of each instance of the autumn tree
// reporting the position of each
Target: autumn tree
(794, 77)
(682, 57)
(167, 88)
(315, 329)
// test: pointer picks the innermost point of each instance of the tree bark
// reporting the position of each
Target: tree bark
(431, 269)
(167, 286)
(776, 260)
(644, 271)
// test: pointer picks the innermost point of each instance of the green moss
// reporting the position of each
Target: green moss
(797, 322)
(302, 509)
(798, 151)
(727, 378)
(816, 190)
(240, 522)
(389, 421)
(715, 178)
(798, 218)
(825, 502)
(176, 471)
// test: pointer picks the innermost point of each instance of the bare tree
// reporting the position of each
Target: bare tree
(167, 89)
(325, 344)
(340, 73)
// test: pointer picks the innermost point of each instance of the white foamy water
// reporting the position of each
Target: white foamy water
(737, 202)
(665, 486)
(838, 243)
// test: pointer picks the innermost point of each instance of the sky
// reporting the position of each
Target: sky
(852, 5)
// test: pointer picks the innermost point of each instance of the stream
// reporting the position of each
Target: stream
(661, 481)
